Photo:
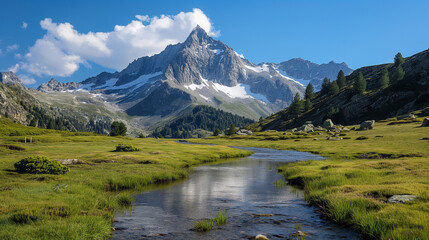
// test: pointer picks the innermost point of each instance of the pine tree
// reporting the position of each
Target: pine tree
(307, 105)
(359, 84)
(398, 75)
(216, 132)
(325, 85)
(309, 91)
(232, 130)
(399, 59)
(384, 80)
(297, 106)
(118, 129)
(334, 89)
(341, 79)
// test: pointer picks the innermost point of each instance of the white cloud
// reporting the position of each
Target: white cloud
(26, 79)
(24, 25)
(14, 68)
(143, 18)
(62, 49)
(12, 48)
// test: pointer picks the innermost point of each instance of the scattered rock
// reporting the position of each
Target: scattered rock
(320, 133)
(333, 139)
(319, 128)
(379, 136)
(299, 234)
(261, 237)
(315, 139)
(425, 138)
(306, 128)
(401, 198)
(406, 116)
(244, 132)
(345, 129)
(70, 161)
(328, 124)
(425, 122)
(369, 124)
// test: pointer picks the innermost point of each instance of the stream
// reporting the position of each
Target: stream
(245, 189)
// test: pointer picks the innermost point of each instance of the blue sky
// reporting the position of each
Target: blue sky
(359, 33)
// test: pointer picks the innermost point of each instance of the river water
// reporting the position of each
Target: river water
(244, 188)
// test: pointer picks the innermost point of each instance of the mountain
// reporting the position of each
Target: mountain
(53, 85)
(9, 78)
(305, 71)
(200, 70)
(19, 104)
(348, 107)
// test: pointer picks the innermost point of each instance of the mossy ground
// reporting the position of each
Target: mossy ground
(81, 204)
(352, 185)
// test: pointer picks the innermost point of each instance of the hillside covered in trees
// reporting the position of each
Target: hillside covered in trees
(373, 92)
(200, 118)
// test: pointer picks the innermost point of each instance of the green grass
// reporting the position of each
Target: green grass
(81, 203)
(204, 225)
(352, 185)
(221, 218)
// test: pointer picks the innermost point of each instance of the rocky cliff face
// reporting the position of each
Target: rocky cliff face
(409, 94)
(9, 78)
(54, 86)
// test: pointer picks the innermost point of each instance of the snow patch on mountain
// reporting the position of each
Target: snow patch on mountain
(263, 68)
(111, 83)
(302, 82)
(204, 97)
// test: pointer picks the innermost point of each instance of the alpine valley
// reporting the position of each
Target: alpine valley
(155, 90)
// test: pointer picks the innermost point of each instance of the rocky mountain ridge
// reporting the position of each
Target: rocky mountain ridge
(348, 107)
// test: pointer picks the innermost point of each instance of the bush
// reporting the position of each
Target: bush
(40, 165)
(24, 217)
(123, 147)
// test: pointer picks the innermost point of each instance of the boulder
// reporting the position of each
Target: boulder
(315, 139)
(319, 128)
(306, 128)
(425, 122)
(401, 198)
(328, 124)
(406, 116)
(244, 132)
(70, 161)
(299, 234)
(369, 124)
(261, 237)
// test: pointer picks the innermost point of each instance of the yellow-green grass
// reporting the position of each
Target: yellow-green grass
(81, 204)
(352, 185)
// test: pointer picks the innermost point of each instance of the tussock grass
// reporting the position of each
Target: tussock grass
(81, 204)
(204, 225)
(221, 218)
(353, 184)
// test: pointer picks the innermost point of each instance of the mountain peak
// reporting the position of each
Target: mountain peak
(198, 34)
(9, 78)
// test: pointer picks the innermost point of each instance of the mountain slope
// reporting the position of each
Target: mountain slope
(347, 107)
(193, 123)
(200, 70)
(305, 71)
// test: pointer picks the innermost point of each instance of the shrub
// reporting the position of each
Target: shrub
(40, 165)
(124, 147)
(362, 138)
(24, 217)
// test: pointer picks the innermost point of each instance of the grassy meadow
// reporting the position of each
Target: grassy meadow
(81, 204)
(352, 185)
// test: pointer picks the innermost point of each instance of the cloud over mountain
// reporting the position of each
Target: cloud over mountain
(63, 49)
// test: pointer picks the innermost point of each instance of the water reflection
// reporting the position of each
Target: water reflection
(244, 188)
